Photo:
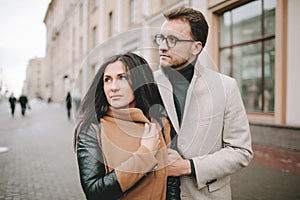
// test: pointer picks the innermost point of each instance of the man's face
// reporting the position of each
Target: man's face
(182, 53)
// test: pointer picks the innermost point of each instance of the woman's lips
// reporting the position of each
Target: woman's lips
(115, 97)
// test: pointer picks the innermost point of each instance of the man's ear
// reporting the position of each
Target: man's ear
(197, 47)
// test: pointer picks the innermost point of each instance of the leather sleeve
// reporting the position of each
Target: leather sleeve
(173, 188)
(95, 184)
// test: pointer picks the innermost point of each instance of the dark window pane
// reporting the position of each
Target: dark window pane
(246, 22)
(247, 55)
(247, 71)
(269, 16)
(225, 29)
(225, 61)
(269, 81)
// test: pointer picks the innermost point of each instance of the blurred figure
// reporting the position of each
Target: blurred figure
(76, 99)
(23, 100)
(69, 104)
(12, 101)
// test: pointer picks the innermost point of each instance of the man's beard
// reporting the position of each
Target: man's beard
(177, 65)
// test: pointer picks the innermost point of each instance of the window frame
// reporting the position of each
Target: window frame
(261, 39)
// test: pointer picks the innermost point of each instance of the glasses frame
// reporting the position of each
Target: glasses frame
(166, 38)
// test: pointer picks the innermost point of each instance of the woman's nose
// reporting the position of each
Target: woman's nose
(115, 85)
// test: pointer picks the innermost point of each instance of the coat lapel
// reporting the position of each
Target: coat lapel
(166, 92)
(191, 89)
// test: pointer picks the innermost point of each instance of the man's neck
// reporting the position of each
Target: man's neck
(184, 74)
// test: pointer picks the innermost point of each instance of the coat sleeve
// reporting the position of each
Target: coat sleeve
(95, 183)
(173, 183)
(236, 138)
(173, 188)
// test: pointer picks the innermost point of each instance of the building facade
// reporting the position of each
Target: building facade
(36, 76)
(253, 41)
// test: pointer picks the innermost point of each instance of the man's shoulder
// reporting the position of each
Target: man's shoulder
(212, 72)
(157, 72)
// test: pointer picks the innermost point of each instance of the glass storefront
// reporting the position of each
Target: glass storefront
(247, 49)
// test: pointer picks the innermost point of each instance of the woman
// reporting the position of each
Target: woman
(122, 137)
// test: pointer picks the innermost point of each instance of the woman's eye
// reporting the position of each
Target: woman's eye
(124, 77)
(107, 79)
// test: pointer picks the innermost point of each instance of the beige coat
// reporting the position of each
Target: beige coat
(214, 132)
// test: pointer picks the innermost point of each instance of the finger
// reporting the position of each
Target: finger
(171, 151)
(157, 144)
(146, 130)
(146, 127)
(153, 128)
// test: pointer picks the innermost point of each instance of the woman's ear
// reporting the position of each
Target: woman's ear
(197, 47)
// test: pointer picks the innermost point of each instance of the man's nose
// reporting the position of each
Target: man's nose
(163, 45)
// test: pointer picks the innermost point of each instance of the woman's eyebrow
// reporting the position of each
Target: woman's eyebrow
(120, 74)
(123, 73)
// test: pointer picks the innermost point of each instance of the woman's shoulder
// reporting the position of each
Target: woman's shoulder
(88, 130)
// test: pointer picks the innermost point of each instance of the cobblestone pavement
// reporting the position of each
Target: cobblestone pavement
(260, 182)
(40, 163)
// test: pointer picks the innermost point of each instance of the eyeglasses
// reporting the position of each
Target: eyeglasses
(171, 40)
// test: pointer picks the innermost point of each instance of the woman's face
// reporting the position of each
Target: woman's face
(117, 86)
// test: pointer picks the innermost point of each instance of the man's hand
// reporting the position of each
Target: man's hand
(177, 166)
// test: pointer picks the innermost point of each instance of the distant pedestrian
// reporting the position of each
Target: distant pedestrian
(12, 101)
(23, 100)
(69, 104)
(76, 100)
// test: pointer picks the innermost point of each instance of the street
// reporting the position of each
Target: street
(37, 161)
(40, 163)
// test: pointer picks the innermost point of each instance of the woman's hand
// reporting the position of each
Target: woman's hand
(150, 138)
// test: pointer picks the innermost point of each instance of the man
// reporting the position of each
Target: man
(206, 110)
(69, 104)
(12, 101)
(23, 100)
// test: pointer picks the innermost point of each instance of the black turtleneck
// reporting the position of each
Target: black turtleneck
(180, 81)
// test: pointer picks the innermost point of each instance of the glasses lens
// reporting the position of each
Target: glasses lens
(159, 39)
(171, 41)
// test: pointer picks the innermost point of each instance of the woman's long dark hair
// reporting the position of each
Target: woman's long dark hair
(147, 98)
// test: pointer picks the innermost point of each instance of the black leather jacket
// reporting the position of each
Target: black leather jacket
(95, 183)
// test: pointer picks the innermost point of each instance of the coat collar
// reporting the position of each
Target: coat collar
(166, 92)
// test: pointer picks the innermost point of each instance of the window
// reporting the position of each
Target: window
(133, 14)
(110, 24)
(247, 52)
(81, 47)
(94, 36)
(95, 3)
(81, 13)
(166, 1)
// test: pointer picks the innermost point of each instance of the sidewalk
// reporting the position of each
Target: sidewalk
(272, 174)
(40, 163)
(288, 161)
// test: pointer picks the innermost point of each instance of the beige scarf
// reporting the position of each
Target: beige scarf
(121, 132)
